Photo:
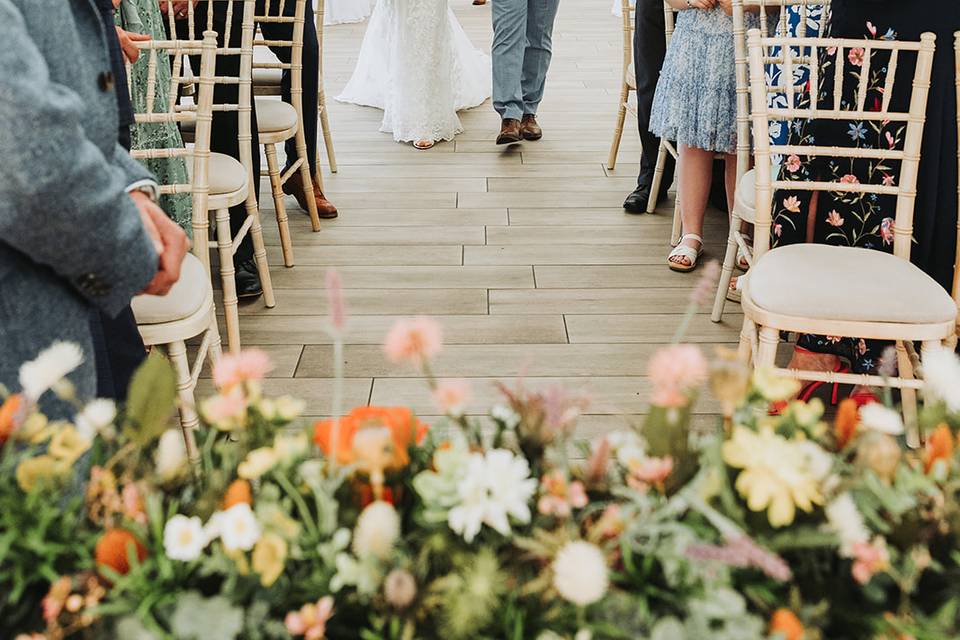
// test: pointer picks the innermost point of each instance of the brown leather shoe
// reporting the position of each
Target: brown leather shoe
(294, 187)
(509, 131)
(529, 128)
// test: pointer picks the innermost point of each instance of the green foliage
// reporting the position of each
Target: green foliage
(150, 400)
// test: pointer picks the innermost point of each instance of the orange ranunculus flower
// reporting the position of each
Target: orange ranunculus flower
(111, 549)
(8, 411)
(846, 423)
(939, 446)
(404, 429)
(787, 624)
(237, 492)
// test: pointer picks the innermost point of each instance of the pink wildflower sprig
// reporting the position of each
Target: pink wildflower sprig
(741, 551)
(336, 306)
(676, 372)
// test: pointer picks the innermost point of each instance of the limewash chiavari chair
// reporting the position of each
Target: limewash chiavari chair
(833, 290)
(628, 83)
(956, 262)
(231, 180)
(188, 310)
(743, 205)
(278, 121)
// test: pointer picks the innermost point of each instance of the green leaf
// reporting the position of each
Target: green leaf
(150, 400)
(199, 618)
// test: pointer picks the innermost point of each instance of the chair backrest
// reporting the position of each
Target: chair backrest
(669, 21)
(835, 51)
(628, 25)
(779, 14)
(198, 155)
(276, 12)
(956, 262)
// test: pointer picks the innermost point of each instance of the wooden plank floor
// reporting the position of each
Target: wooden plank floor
(523, 253)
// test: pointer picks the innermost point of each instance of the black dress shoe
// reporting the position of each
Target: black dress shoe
(637, 201)
(248, 280)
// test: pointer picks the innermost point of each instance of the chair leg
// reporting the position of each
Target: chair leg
(658, 170)
(327, 136)
(214, 351)
(273, 168)
(726, 272)
(908, 397)
(307, 176)
(748, 334)
(260, 253)
(189, 420)
(618, 128)
(227, 273)
(767, 349)
(677, 230)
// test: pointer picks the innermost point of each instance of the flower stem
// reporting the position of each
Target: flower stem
(337, 397)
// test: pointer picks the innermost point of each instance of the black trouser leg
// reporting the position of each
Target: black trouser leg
(118, 351)
(649, 48)
(310, 76)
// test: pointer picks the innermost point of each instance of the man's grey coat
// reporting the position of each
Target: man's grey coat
(71, 238)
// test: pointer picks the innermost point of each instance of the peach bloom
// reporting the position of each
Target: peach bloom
(869, 558)
(940, 446)
(787, 624)
(650, 472)
(8, 414)
(675, 371)
(227, 410)
(111, 550)
(238, 491)
(793, 163)
(559, 497)
(234, 368)
(403, 426)
(855, 56)
(337, 309)
(792, 204)
(55, 599)
(611, 523)
(849, 179)
(846, 423)
(311, 620)
(834, 218)
(133, 503)
(452, 396)
(415, 340)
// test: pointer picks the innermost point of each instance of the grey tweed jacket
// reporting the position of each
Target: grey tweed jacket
(70, 237)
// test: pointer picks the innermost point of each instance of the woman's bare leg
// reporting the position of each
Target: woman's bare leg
(696, 173)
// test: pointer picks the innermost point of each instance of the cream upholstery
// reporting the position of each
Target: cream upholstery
(226, 174)
(275, 115)
(267, 77)
(745, 199)
(184, 299)
(792, 281)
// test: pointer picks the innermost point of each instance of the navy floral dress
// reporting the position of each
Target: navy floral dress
(866, 220)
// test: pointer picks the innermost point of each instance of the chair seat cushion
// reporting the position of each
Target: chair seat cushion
(745, 198)
(631, 77)
(275, 115)
(844, 283)
(184, 299)
(267, 77)
(227, 175)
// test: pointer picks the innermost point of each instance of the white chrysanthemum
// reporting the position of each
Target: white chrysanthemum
(580, 573)
(95, 418)
(171, 456)
(50, 367)
(184, 538)
(941, 373)
(378, 528)
(844, 519)
(877, 417)
(496, 487)
(238, 528)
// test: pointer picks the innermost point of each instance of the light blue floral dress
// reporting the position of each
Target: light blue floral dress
(696, 99)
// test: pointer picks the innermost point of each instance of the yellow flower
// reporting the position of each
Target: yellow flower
(776, 474)
(41, 470)
(774, 386)
(67, 444)
(269, 557)
(257, 463)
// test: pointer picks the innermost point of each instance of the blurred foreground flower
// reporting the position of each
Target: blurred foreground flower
(403, 426)
(676, 372)
(496, 487)
(580, 573)
(311, 620)
(50, 367)
(232, 369)
(415, 340)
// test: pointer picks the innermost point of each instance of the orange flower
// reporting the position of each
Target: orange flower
(939, 446)
(846, 423)
(111, 550)
(238, 491)
(8, 411)
(404, 429)
(787, 624)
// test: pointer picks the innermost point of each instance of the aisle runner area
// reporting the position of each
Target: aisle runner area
(524, 254)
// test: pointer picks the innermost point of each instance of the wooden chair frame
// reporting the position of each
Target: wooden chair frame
(956, 262)
(743, 208)
(227, 243)
(761, 329)
(172, 335)
(274, 13)
(627, 83)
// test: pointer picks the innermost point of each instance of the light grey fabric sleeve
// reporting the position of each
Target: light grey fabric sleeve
(62, 202)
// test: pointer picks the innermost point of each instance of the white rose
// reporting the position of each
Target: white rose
(184, 538)
(378, 527)
(580, 573)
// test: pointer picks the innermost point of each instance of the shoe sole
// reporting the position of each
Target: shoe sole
(249, 296)
(533, 137)
(508, 139)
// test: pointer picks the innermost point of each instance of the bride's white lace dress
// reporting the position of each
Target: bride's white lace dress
(418, 65)
(343, 11)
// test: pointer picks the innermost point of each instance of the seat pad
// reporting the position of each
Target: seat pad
(267, 77)
(184, 299)
(275, 115)
(227, 175)
(844, 283)
(745, 198)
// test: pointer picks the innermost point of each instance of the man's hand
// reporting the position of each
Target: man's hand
(128, 43)
(180, 7)
(169, 240)
(727, 6)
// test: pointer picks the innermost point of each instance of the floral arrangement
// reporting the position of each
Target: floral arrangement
(373, 525)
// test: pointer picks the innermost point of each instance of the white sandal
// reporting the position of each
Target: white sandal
(735, 290)
(685, 251)
(743, 261)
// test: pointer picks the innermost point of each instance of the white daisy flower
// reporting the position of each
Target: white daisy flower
(184, 538)
(496, 487)
(238, 528)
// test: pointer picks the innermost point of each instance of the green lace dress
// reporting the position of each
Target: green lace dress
(143, 16)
